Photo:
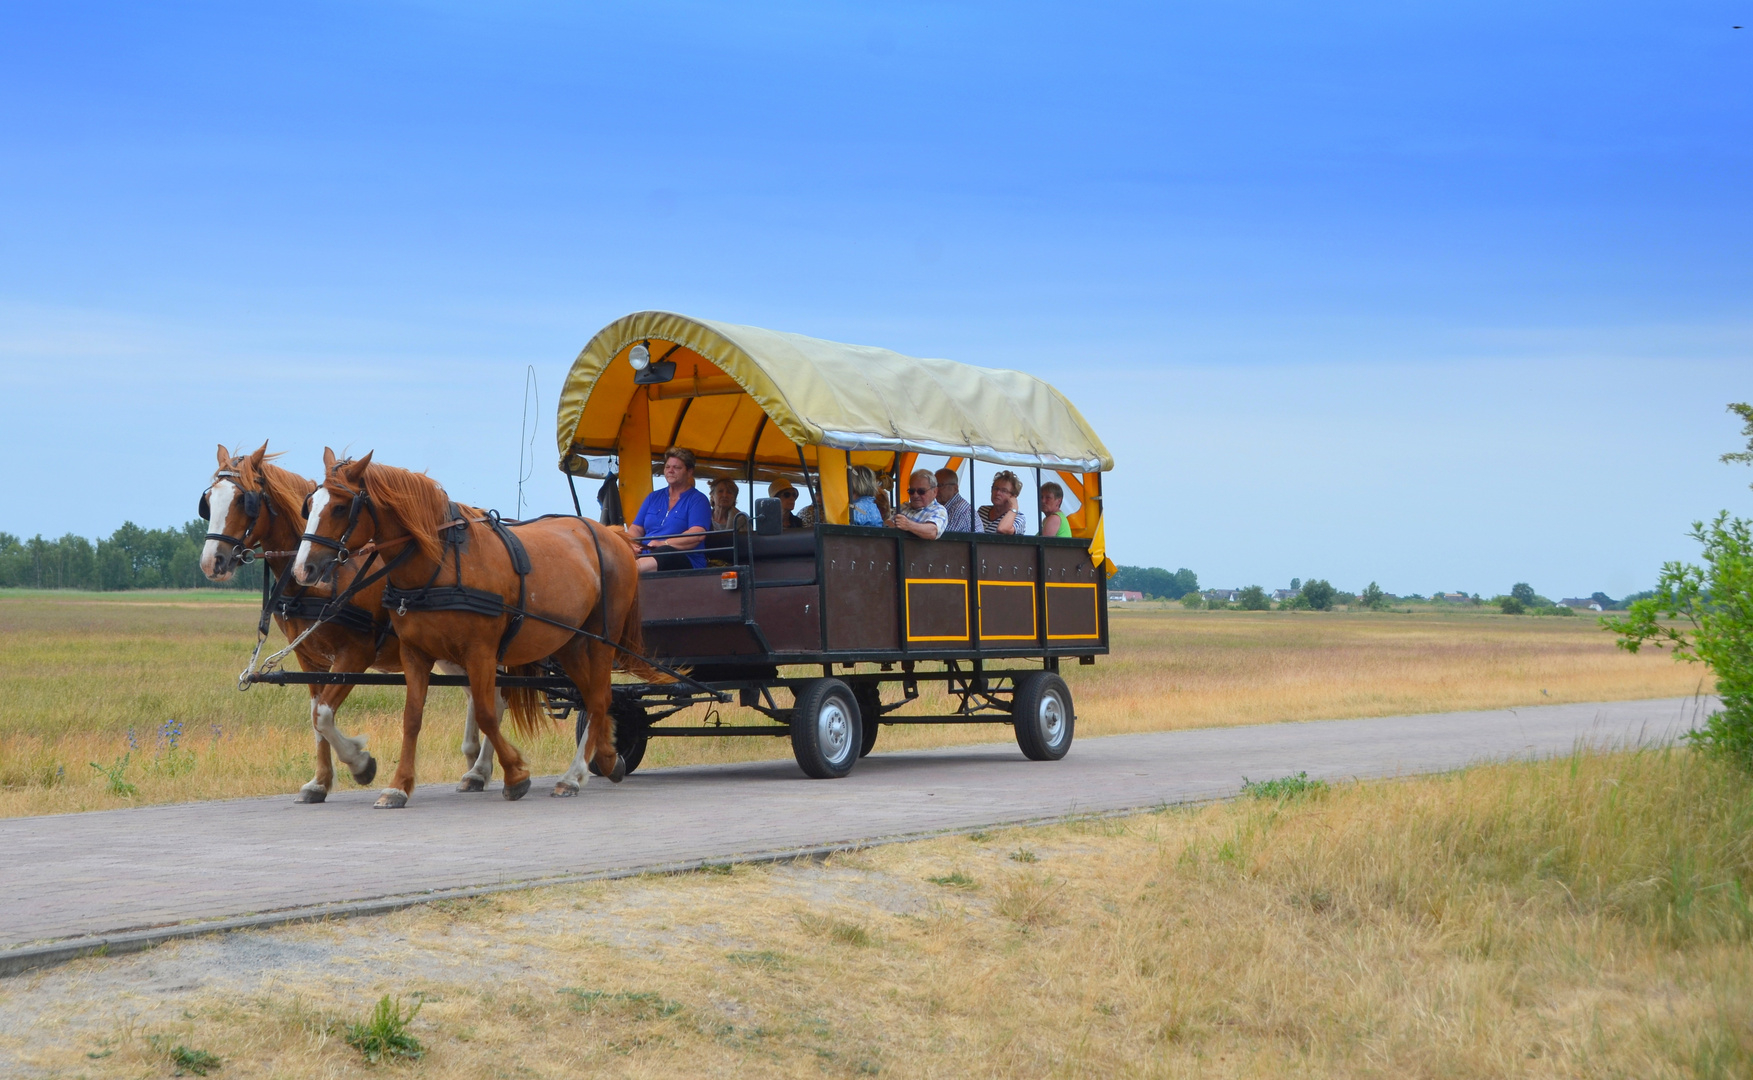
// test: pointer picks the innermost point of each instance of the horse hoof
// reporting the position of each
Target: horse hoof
(393, 799)
(470, 783)
(514, 792)
(620, 772)
(312, 794)
(563, 790)
(370, 773)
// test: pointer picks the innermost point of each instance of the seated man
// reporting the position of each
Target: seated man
(674, 518)
(949, 493)
(923, 516)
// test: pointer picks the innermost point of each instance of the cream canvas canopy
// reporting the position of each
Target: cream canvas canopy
(757, 404)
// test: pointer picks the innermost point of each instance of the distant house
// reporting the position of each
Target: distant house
(1453, 598)
(1281, 595)
(1222, 596)
(1123, 596)
(1583, 603)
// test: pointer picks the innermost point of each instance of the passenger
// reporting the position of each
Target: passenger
(1053, 523)
(1003, 516)
(949, 487)
(674, 518)
(862, 486)
(726, 518)
(923, 516)
(725, 515)
(787, 496)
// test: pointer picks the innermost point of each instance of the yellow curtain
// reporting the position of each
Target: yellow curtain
(831, 464)
(634, 447)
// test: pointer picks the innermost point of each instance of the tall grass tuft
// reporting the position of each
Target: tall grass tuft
(385, 1033)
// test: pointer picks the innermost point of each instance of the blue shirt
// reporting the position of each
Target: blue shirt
(658, 518)
(865, 512)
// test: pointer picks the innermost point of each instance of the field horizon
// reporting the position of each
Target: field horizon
(120, 699)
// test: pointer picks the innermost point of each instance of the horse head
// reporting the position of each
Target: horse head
(237, 508)
(340, 515)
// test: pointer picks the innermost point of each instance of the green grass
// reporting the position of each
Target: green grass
(1285, 787)
(385, 1035)
(955, 879)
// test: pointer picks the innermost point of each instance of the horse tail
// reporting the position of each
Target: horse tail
(525, 704)
(633, 640)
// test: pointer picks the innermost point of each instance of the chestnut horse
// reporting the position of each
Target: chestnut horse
(457, 595)
(252, 502)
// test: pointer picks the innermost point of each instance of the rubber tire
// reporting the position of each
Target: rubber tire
(870, 706)
(821, 762)
(632, 733)
(1038, 699)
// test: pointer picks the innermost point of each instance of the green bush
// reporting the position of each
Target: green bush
(1253, 598)
(1512, 605)
(1193, 601)
(1713, 607)
(1319, 594)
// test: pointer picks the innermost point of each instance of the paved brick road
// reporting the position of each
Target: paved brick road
(99, 873)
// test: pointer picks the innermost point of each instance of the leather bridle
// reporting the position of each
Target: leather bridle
(357, 500)
(252, 502)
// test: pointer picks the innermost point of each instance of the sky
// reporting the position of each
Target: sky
(1439, 297)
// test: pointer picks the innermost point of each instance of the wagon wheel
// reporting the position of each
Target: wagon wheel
(632, 731)
(870, 707)
(825, 732)
(1042, 714)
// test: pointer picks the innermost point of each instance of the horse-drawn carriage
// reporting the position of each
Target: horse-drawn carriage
(825, 633)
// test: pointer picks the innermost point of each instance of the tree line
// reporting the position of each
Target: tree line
(129, 558)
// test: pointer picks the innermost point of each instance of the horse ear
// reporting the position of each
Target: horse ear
(259, 456)
(356, 469)
(224, 456)
(328, 460)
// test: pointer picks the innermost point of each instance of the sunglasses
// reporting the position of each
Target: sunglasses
(786, 494)
(918, 491)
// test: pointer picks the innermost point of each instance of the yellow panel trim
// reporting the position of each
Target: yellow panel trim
(1031, 635)
(908, 593)
(1097, 636)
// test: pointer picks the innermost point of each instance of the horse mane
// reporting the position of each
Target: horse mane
(285, 488)
(413, 497)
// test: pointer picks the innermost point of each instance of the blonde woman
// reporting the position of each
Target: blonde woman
(862, 486)
(1003, 516)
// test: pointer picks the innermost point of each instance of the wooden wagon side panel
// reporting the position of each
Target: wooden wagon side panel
(1008, 601)
(935, 602)
(1074, 597)
(860, 574)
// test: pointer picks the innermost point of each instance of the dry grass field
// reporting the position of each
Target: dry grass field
(143, 685)
(1579, 917)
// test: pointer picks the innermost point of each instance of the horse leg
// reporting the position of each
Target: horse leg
(318, 788)
(486, 701)
(417, 670)
(477, 751)
(588, 667)
(350, 749)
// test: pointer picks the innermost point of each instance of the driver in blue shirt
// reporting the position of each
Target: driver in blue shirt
(674, 519)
